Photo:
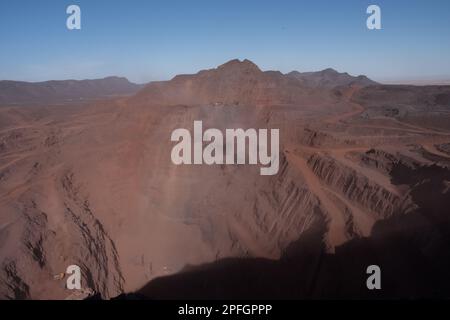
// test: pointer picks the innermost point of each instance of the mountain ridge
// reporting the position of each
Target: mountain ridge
(330, 78)
(239, 82)
(63, 91)
(233, 82)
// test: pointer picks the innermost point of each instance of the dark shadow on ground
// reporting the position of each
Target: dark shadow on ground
(412, 250)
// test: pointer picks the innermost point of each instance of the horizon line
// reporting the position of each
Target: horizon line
(414, 80)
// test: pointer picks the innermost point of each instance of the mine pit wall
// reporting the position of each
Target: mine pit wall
(357, 188)
(281, 210)
(46, 249)
(285, 209)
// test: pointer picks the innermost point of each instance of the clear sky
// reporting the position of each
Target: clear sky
(148, 40)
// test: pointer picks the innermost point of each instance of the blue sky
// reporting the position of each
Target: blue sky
(148, 40)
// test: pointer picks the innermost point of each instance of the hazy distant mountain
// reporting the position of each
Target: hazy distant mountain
(64, 91)
(330, 78)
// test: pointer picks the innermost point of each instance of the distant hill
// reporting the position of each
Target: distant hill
(64, 91)
(330, 78)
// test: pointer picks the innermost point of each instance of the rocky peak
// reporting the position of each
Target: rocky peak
(329, 71)
(239, 66)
